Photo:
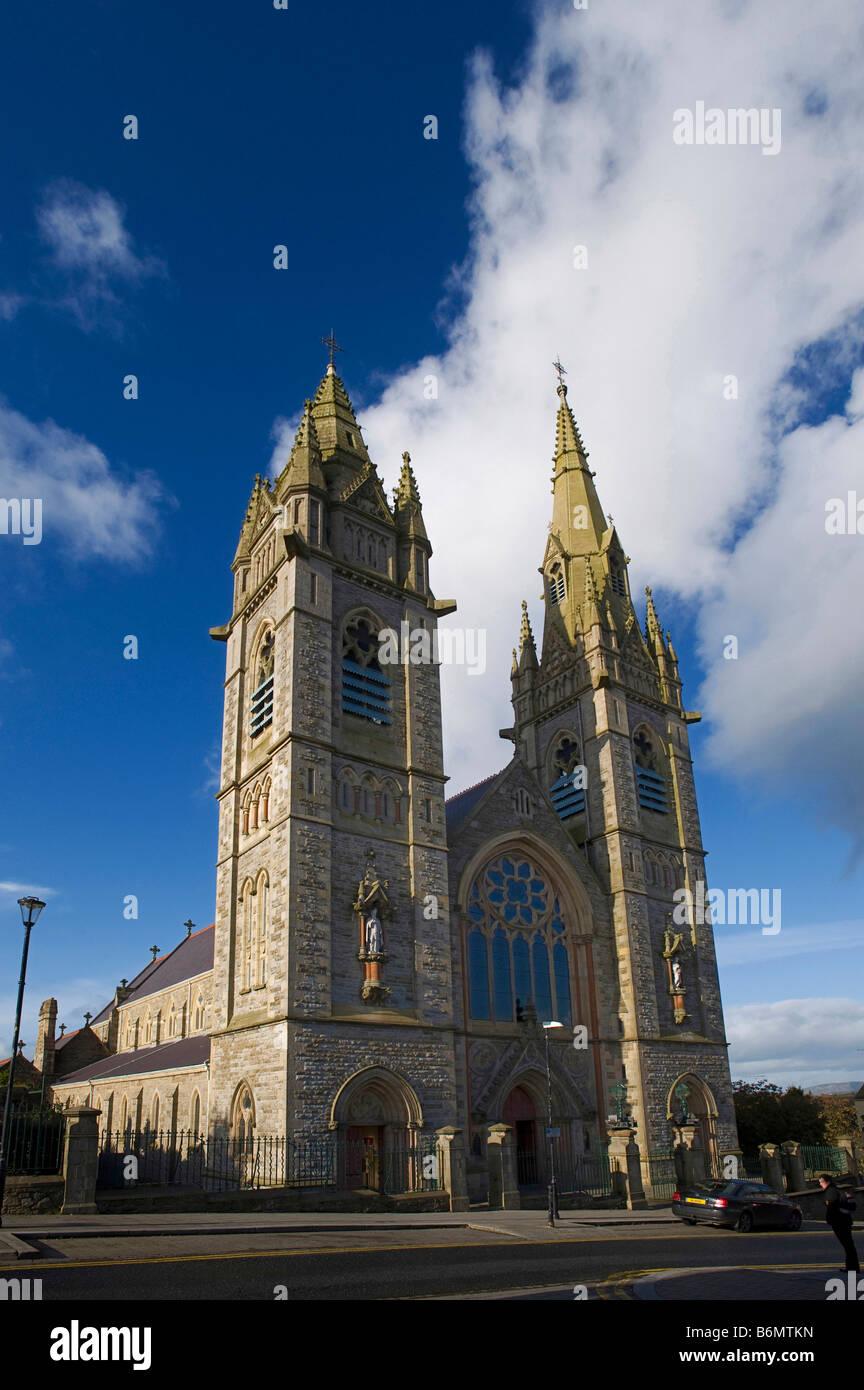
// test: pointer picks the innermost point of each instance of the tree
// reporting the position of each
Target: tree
(838, 1117)
(765, 1114)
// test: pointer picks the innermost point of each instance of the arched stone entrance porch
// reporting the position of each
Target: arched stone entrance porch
(690, 1095)
(377, 1117)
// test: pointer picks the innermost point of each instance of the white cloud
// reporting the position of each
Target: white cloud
(797, 1042)
(749, 947)
(89, 243)
(85, 501)
(10, 303)
(703, 262)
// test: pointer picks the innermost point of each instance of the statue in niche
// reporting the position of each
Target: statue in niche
(374, 935)
(372, 904)
(672, 942)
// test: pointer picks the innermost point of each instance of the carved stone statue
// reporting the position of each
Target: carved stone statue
(374, 934)
(677, 975)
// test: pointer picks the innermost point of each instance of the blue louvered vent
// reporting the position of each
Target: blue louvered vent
(261, 712)
(365, 692)
(567, 799)
(651, 789)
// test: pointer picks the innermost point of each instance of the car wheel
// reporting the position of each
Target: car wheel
(689, 1220)
(745, 1221)
(794, 1222)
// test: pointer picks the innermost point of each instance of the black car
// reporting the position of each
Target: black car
(741, 1204)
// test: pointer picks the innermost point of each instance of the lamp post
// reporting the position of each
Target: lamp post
(30, 909)
(550, 1136)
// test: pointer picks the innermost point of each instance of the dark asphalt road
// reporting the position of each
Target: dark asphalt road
(405, 1273)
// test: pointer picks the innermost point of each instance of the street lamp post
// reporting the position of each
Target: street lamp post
(30, 909)
(553, 1186)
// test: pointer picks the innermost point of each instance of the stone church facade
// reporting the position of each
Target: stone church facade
(382, 960)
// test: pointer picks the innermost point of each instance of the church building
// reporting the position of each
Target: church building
(383, 960)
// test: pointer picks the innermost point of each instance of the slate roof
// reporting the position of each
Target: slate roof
(459, 806)
(193, 956)
(170, 1056)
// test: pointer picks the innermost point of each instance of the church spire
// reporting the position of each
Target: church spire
(303, 469)
(577, 516)
(407, 507)
(527, 649)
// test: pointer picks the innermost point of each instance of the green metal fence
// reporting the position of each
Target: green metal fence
(661, 1174)
(823, 1158)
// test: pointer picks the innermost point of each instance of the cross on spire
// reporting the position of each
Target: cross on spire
(332, 345)
(189, 925)
(87, 1018)
(562, 371)
(155, 950)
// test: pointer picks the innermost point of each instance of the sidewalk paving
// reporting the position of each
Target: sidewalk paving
(527, 1223)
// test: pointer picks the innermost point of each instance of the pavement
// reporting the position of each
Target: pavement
(520, 1223)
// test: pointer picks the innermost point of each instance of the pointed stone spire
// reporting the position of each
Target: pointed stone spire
(335, 419)
(514, 669)
(653, 630)
(259, 496)
(671, 650)
(527, 649)
(303, 469)
(406, 502)
(577, 517)
(568, 440)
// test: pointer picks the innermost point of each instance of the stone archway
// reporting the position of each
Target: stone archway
(376, 1116)
(696, 1096)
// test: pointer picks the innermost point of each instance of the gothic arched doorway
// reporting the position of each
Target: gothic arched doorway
(691, 1097)
(377, 1116)
(520, 1113)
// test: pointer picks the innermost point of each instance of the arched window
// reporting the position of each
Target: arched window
(261, 704)
(198, 1017)
(244, 1117)
(514, 910)
(247, 813)
(617, 580)
(561, 971)
(124, 1118)
(650, 782)
(478, 974)
(245, 934)
(366, 690)
(503, 992)
(195, 1113)
(555, 583)
(154, 1113)
(542, 988)
(172, 1022)
(568, 778)
(261, 932)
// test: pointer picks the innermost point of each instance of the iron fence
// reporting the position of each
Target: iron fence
(823, 1158)
(35, 1139)
(661, 1174)
(586, 1173)
(182, 1158)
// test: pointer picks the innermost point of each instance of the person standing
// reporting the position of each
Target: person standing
(839, 1218)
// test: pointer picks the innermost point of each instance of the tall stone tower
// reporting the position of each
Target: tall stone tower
(332, 974)
(600, 722)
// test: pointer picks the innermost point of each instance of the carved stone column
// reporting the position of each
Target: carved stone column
(793, 1165)
(501, 1157)
(80, 1161)
(626, 1168)
(452, 1172)
(771, 1165)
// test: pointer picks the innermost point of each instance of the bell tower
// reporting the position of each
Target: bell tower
(333, 956)
(600, 722)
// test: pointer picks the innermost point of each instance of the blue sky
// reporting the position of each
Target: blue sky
(260, 127)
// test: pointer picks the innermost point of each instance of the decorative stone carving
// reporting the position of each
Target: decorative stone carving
(372, 905)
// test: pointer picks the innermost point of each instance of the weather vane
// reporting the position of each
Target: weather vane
(333, 346)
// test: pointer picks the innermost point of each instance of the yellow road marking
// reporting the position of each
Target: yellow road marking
(619, 1285)
(274, 1254)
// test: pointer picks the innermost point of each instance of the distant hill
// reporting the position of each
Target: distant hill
(834, 1088)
